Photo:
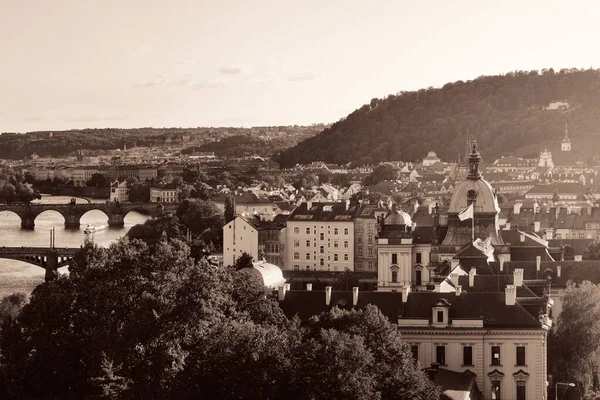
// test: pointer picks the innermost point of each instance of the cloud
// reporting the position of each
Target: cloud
(230, 71)
(209, 85)
(151, 83)
(303, 77)
(264, 79)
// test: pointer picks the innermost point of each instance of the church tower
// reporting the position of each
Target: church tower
(566, 142)
(477, 191)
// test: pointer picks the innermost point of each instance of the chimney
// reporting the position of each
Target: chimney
(454, 279)
(458, 290)
(472, 273)
(507, 226)
(536, 226)
(430, 208)
(438, 288)
(536, 208)
(281, 292)
(517, 208)
(347, 204)
(327, 295)
(355, 296)
(510, 295)
(405, 292)
(558, 271)
(501, 258)
(522, 238)
(308, 205)
(557, 212)
(538, 262)
(518, 277)
(288, 287)
(309, 287)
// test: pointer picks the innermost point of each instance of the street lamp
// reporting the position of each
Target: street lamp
(568, 384)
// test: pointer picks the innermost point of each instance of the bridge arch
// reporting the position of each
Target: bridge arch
(45, 214)
(10, 217)
(93, 216)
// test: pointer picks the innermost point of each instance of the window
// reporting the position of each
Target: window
(414, 349)
(296, 256)
(345, 243)
(370, 264)
(335, 231)
(296, 243)
(335, 257)
(308, 231)
(345, 231)
(521, 390)
(496, 355)
(308, 267)
(296, 268)
(322, 249)
(370, 239)
(467, 355)
(346, 257)
(335, 243)
(394, 276)
(370, 251)
(322, 262)
(495, 389)
(359, 250)
(418, 277)
(440, 316)
(440, 355)
(394, 258)
(359, 239)
(308, 243)
(521, 355)
(308, 256)
(322, 236)
(419, 258)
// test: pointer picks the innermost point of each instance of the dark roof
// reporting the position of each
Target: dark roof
(489, 306)
(492, 284)
(577, 245)
(318, 212)
(422, 234)
(370, 211)
(560, 187)
(241, 198)
(455, 384)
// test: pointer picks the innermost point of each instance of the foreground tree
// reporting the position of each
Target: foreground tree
(574, 348)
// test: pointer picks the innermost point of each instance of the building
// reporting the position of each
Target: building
(119, 192)
(239, 236)
(166, 194)
(320, 237)
(248, 204)
(366, 225)
(431, 159)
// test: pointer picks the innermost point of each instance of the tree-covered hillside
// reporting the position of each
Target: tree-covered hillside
(60, 143)
(503, 113)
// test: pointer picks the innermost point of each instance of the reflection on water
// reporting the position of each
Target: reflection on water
(16, 275)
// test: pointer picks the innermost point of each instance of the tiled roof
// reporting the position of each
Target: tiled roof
(319, 212)
(560, 187)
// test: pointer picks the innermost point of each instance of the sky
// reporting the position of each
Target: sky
(70, 64)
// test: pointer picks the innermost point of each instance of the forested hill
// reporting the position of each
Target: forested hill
(272, 139)
(503, 113)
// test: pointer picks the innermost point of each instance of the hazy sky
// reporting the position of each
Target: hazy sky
(133, 63)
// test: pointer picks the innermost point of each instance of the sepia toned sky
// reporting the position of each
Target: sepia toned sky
(183, 63)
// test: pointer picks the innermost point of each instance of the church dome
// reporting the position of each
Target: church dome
(397, 217)
(474, 189)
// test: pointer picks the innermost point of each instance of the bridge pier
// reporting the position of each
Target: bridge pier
(51, 266)
(28, 222)
(116, 220)
(72, 220)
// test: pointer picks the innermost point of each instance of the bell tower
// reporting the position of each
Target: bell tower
(566, 142)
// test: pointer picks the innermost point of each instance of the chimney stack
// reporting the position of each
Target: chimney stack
(501, 258)
(454, 279)
(355, 296)
(309, 287)
(522, 237)
(438, 288)
(517, 208)
(538, 262)
(472, 273)
(327, 295)
(430, 208)
(458, 290)
(405, 292)
(288, 287)
(347, 204)
(281, 292)
(536, 226)
(558, 271)
(510, 295)
(518, 277)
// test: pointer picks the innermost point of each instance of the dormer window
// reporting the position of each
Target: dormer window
(440, 313)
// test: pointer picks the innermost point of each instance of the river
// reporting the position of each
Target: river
(19, 276)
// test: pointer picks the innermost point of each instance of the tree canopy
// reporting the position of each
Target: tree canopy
(149, 321)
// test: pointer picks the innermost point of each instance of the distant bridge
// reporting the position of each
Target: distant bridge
(73, 212)
(49, 258)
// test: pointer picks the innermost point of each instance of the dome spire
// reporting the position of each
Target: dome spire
(474, 161)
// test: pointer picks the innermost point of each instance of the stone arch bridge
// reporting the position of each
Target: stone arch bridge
(73, 212)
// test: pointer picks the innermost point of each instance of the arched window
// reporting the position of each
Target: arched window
(394, 276)
(471, 197)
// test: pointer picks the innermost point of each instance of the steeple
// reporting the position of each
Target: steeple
(474, 161)
(566, 142)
